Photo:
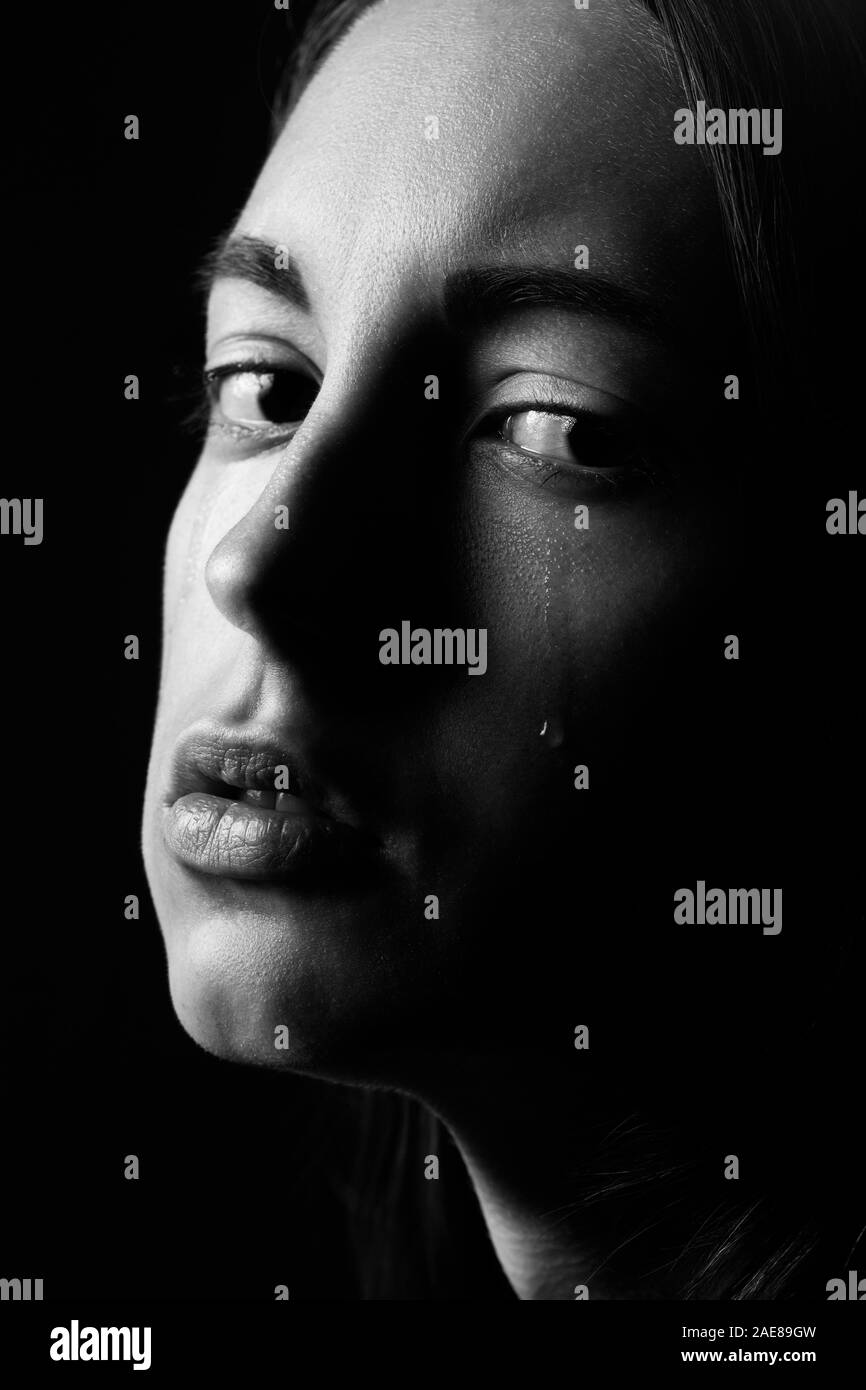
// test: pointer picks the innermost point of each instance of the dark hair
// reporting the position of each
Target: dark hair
(786, 220)
(731, 53)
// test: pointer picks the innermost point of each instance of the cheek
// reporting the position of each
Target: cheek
(193, 629)
(216, 498)
(576, 602)
(193, 632)
(185, 551)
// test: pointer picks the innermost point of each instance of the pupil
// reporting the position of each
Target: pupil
(285, 396)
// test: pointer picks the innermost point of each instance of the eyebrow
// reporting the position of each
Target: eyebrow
(249, 258)
(470, 296)
(475, 295)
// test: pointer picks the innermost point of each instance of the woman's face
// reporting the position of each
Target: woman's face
(420, 219)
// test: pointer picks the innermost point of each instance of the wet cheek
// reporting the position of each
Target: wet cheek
(568, 609)
(534, 579)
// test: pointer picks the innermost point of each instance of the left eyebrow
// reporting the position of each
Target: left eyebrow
(470, 296)
(249, 258)
(485, 293)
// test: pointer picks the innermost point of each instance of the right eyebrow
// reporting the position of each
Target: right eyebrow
(476, 295)
(470, 296)
(249, 258)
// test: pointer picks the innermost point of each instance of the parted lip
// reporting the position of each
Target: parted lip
(213, 826)
(217, 760)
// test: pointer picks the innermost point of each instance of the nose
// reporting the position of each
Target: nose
(241, 569)
(354, 487)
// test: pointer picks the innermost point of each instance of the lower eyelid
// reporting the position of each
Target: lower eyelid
(234, 430)
(234, 427)
(613, 475)
(570, 479)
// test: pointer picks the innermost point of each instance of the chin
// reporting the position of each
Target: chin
(263, 998)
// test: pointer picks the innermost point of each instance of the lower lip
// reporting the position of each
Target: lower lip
(235, 839)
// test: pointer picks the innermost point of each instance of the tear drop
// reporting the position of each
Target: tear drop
(552, 731)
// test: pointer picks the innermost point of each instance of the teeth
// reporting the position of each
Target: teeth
(274, 801)
(265, 799)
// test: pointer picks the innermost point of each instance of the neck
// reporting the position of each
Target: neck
(565, 1196)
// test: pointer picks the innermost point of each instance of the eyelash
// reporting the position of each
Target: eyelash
(648, 461)
(208, 405)
(648, 466)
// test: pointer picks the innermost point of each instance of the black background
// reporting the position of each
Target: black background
(107, 236)
(103, 238)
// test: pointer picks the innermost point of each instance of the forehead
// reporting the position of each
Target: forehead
(496, 130)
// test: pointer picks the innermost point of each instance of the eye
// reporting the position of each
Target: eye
(581, 439)
(540, 432)
(258, 395)
(573, 451)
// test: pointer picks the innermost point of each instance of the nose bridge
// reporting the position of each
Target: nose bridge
(244, 562)
(338, 504)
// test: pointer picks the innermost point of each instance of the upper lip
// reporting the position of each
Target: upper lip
(211, 758)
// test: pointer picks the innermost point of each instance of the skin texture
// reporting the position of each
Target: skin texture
(555, 130)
